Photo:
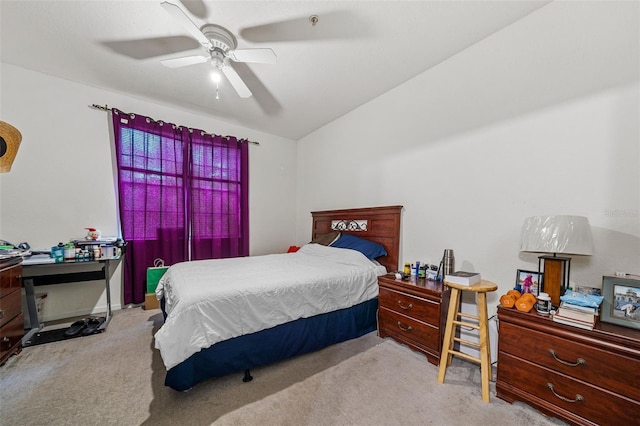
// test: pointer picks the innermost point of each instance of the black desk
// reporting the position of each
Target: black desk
(39, 270)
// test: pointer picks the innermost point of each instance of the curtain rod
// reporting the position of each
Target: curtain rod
(106, 108)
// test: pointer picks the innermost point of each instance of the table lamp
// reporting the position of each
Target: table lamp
(556, 234)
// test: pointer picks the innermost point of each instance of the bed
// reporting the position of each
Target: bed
(290, 304)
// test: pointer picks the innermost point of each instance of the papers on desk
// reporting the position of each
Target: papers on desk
(38, 259)
(9, 253)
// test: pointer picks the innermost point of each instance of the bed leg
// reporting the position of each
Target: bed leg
(247, 376)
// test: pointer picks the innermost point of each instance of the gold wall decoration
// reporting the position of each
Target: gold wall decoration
(10, 139)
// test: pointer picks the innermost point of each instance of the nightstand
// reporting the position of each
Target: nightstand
(583, 377)
(413, 312)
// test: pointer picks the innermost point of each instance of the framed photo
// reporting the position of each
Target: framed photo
(587, 290)
(621, 303)
(530, 279)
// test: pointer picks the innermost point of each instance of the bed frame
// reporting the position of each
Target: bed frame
(379, 224)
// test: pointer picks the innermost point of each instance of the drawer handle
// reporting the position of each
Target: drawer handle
(1, 313)
(578, 398)
(5, 340)
(405, 307)
(402, 328)
(580, 361)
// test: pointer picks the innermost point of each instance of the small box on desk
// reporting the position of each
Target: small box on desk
(150, 301)
(58, 254)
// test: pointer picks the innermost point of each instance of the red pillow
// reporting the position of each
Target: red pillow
(293, 249)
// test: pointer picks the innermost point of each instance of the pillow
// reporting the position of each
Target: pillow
(293, 249)
(326, 239)
(368, 248)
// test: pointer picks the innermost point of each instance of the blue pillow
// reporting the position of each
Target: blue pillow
(368, 248)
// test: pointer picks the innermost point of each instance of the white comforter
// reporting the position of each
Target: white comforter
(208, 301)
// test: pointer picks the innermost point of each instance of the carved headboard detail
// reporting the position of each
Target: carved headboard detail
(378, 224)
(349, 225)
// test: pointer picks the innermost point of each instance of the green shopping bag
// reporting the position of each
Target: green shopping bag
(154, 274)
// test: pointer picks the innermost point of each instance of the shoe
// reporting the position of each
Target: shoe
(76, 328)
(93, 325)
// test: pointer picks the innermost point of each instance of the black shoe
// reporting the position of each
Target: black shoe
(93, 325)
(76, 328)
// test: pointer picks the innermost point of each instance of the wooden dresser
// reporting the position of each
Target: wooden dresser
(413, 312)
(583, 377)
(11, 319)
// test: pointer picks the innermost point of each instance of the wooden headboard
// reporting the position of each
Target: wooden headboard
(382, 226)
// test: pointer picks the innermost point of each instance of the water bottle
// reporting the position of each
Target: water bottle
(448, 262)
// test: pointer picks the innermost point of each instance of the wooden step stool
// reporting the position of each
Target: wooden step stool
(455, 318)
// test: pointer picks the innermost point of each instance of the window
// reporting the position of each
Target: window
(183, 195)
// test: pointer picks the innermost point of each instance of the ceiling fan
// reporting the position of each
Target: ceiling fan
(221, 50)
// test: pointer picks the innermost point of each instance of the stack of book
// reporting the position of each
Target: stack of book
(576, 315)
(463, 278)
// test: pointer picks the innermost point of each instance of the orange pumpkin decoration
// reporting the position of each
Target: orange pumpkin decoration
(524, 304)
(515, 293)
(507, 301)
(531, 297)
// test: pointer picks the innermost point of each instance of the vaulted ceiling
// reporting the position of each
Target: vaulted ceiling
(356, 50)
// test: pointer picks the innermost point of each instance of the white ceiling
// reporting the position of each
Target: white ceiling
(357, 51)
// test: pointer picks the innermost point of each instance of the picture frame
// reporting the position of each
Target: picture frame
(621, 304)
(536, 281)
(587, 290)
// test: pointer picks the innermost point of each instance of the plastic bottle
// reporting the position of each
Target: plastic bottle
(69, 252)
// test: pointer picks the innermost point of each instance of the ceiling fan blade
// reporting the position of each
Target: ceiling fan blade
(236, 81)
(184, 61)
(195, 7)
(263, 97)
(257, 56)
(186, 22)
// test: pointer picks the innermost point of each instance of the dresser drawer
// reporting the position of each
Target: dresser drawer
(10, 337)
(10, 279)
(612, 371)
(10, 306)
(412, 306)
(405, 328)
(564, 393)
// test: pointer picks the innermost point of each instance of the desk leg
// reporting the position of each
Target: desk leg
(33, 311)
(107, 281)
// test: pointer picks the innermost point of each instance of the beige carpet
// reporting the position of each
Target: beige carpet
(386, 385)
(116, 378)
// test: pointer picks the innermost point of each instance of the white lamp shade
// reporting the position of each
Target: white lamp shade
(557, 234)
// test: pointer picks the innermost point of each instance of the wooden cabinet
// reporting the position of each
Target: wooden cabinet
(583, 377)
(11, 319)
(413, 312)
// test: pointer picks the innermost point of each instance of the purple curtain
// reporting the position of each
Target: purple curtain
(183, 195)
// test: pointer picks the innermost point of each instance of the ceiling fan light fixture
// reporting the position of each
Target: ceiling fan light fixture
(217, 59)
(216, 77)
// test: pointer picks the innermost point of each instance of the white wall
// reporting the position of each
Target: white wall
(62, 179)
(540, 118)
